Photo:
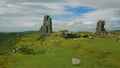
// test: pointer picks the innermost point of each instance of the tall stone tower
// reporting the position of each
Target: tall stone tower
(100, 30)
(46, 28)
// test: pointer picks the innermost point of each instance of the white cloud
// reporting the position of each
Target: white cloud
(88, 21)
(20, 15)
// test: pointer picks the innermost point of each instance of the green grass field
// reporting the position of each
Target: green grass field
(56, 52)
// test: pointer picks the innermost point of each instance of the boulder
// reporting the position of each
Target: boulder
(76, 61)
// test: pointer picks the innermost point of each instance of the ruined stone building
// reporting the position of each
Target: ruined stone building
(100, 30)
(46, 28)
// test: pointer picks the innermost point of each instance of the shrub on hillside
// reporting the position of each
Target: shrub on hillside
(26, 50)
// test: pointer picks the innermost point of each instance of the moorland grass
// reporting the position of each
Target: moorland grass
(93, 53)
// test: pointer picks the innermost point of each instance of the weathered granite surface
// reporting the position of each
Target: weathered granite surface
(100, 30)
(46, 28)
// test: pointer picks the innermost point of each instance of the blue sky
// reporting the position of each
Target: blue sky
(79, 10)
(74, 15)
(76, 11)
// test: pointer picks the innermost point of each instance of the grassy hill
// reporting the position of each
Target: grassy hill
(7, 41)
(55, 52)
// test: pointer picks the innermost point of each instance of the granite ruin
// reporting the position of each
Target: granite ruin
(46, 28)
(100, 30)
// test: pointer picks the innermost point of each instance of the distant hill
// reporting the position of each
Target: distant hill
(28, 32)
(24, 32)
(115, 31)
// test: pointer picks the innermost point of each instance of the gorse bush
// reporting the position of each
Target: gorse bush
(26, 50)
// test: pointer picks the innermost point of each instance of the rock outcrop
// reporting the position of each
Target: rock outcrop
(67, 34)
(46, 28)
(100, 30)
